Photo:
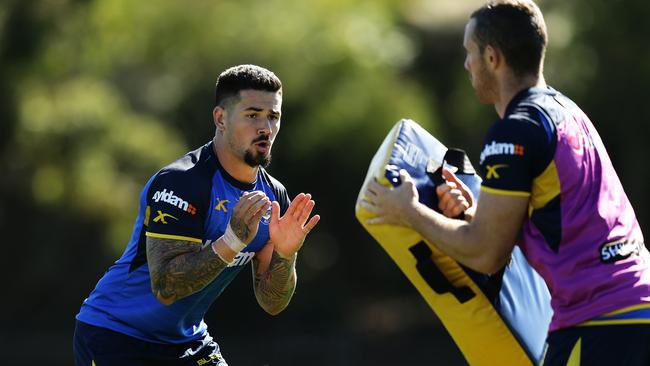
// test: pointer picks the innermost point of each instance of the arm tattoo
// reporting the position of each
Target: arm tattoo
(240, 229)
(275, 288)
(180, 268)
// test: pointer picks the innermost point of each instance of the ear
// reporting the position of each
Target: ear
(219, 115)
(492, 57)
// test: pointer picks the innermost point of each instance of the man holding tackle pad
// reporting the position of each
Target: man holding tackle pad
(549, 186)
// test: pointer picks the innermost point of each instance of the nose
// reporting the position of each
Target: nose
(265, 127)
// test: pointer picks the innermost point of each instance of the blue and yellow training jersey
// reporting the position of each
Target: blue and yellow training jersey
(192, 200)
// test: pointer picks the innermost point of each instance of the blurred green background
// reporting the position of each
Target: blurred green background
(97, 95)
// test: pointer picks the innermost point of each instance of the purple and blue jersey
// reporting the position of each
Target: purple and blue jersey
(581, 233)
(191, 200)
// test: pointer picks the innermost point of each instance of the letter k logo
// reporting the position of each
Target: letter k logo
(221, 205)
(492, 171)
(161, 217)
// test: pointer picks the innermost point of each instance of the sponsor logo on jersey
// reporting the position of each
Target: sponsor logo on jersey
(221, 205)
(242, 259)
(573, 139)
(501, 148)
(491, 171)
(172, 199)
(209, 359)
(161, 217)
(618, 250)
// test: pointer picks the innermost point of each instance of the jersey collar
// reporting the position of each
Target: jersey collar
(525, 93)
(241, 185)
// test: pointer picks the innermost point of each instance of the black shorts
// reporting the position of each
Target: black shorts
(94, 346)
(621, 344)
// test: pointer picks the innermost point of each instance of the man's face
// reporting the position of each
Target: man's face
(483, 81)
(252, 124)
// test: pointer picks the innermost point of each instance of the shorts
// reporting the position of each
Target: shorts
(95, 346)
(620, 344)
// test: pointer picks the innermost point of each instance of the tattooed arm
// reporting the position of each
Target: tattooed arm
(180, 268)
(274, 280)
(274, 267)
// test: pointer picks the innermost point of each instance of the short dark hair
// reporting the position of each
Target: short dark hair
(244, 77)
(517, 29)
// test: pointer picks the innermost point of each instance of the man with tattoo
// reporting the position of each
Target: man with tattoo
(201, 220)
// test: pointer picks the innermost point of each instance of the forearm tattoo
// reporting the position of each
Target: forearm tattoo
(275, 287)
(180, 268)
(240, 229)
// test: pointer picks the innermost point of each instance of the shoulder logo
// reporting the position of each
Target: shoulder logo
(174, 200)
(491, 171)
(266, 218)
(221, 205)
(501, 148)
(161, 217)
(574, 140)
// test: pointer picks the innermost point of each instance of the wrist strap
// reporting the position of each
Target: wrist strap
(232, 241)
(214, 249)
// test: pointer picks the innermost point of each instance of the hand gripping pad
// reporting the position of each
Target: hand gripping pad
(495, 320)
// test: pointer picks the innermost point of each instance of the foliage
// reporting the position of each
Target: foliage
(95, 96)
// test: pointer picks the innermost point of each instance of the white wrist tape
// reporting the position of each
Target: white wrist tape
(232, 241)
(214, 249)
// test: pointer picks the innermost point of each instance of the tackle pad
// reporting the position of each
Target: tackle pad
(501, 319)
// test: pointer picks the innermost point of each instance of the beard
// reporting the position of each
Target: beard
(484, 84)
(255, 159)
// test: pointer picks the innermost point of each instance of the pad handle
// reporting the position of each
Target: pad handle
(434, 277)
(456, 158)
